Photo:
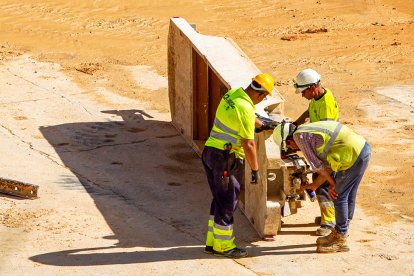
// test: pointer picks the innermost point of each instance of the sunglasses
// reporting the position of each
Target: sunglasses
(257, 87)
(302, 85)
(309, 85)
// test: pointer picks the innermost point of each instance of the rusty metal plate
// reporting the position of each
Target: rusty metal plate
(18, 188)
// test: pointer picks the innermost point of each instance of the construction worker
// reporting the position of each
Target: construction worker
(322, 107)
(330, 147)
(231, 141)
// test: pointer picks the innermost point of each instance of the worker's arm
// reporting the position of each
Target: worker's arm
(302, 118)
(249, 147)
(258, 123)
(308, 143)
(325, 175)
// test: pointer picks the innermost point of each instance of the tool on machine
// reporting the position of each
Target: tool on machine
(299, 178)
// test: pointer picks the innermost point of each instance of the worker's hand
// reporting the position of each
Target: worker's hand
(268, 125)
(305, 186)
(258, 130)
(310, 186)
(300, 190)
(331, 191)
(255, 177)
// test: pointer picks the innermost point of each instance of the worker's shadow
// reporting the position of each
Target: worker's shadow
(86, 257)
(148, 184)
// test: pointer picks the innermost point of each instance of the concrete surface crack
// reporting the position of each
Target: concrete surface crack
(17, 102)
(47, 90)
(112, 191)
(48, 156)
(104, 146)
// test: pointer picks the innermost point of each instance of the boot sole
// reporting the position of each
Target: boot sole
(209, 250)
(218, 254)
(333, 251)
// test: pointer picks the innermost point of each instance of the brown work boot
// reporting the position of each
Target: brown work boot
(337, 243)
(323, 231)
(326, 239)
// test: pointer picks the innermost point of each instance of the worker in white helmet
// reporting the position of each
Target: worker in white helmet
(330, 147)
(322, 107)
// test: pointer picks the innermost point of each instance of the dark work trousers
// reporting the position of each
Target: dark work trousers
(225, 193)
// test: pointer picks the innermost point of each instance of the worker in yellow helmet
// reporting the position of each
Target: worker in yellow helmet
(231, 141)
(330, 147)
(322, 107)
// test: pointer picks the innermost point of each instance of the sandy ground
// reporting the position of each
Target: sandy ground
(85, 116)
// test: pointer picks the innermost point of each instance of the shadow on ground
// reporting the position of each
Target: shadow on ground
(159, 183)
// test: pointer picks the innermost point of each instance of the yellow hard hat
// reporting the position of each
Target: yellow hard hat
(266, 83)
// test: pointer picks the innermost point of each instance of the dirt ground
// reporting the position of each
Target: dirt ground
(364, 51)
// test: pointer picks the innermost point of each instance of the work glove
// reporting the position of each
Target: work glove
(268, 125)
(255, 177)
(257, 130)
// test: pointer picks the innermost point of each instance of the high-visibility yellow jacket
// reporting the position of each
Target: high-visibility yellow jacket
(235, 119)
(341, 146)
(324, 108)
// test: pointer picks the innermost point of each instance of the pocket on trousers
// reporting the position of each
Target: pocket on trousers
(225, 182)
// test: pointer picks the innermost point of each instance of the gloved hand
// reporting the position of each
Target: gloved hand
(268, 125)
(255, 177)
(257, 130)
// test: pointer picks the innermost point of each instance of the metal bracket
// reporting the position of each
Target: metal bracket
(17, 188)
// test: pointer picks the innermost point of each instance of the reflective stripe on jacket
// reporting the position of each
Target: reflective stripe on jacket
(341, 145)
(235, 120)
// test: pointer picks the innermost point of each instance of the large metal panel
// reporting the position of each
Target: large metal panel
(201, 127)
(217, 89)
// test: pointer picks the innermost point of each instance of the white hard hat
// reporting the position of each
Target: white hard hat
(305, 79)
(281, 132)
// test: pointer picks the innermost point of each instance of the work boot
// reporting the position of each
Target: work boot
(338, 243)
(209, 250)
(323, 231)
(326, 239)
(234, 253)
